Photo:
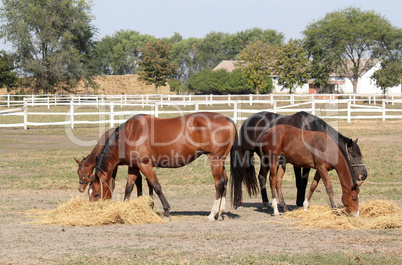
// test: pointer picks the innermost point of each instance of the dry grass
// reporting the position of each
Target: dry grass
(80, 212)
(376, 214)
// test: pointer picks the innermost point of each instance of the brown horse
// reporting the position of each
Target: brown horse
(146, 142)
(309, 149)
(87, 165)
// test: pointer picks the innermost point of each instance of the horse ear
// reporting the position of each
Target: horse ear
(356, 140)
(78, 161)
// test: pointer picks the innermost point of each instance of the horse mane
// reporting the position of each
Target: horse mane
(319, 124)
(107, 150)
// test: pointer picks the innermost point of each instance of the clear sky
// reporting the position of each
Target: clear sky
(196, 18)
(161, 18)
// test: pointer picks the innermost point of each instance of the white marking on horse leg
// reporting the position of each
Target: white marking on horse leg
(275, 206)
(358, 206)
(306, 204)
(214, 211)
(90, 192)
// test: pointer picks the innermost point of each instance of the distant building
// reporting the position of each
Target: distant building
(337, 84)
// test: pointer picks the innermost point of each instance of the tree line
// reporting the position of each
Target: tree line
(55, 48)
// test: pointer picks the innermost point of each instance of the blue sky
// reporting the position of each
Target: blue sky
(161, 18)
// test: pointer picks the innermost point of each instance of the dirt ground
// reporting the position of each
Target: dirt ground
(250, 229)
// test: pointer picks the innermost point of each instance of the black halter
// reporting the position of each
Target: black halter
(85, 177)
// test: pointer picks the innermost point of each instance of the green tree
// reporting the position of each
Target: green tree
(119, 53)
(156, 63)
(8, 77)
(389, 75)
(220, 82)
(348, 41)
(53, 41)
(292, 65)
(257, 61)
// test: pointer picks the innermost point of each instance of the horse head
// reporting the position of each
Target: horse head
(84, 175)
(98, 189)
(351, 200)
(356, 160)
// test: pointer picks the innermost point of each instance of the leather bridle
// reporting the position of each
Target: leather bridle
(85, 177)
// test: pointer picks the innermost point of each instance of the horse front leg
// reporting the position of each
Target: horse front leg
(327, 183)
(221, 179)
(301, 184)
(148, 170)
(131, 179)
(313, 186)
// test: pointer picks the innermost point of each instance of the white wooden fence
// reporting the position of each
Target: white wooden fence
(346, 108)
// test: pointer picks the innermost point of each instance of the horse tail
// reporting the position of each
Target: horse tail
(240, 171)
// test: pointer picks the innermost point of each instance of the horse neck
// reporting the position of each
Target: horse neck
(92, 158)
(344, 171)
(107, 162)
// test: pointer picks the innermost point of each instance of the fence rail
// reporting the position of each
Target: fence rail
(238, 107)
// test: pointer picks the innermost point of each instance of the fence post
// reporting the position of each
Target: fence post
(55, 100)
(274, 107)
(125, 98)
(156, 110)
(111, 114)
(383, 110)
(393, 103)
(121, 101)
(374, 100)
(48, 103)
(103, 100)
(235, 112)
(25, 114)
(72, 113)
(142, 101)
(197, 107)
(33, 99)
(349, 110)
(8, 100)
(251, 99)
(313, 106)
(369, 99)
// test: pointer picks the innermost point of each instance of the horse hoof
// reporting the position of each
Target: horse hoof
(210, 220)
(267, 205)
(167, 218)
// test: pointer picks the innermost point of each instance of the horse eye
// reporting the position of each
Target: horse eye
(354, 199)
(98, 195)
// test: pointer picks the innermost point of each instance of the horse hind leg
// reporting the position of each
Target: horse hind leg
(279, 176)
(220, 178)
(262, 177)
(273, 182)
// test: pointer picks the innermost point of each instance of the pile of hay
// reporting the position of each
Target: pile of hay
(377, 214)
(80, 212)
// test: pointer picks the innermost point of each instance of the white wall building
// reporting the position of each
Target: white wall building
(340, 84)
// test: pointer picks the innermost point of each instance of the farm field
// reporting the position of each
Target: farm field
(37, 172)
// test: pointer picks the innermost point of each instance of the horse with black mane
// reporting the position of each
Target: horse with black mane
(147, 142)
(87, 165)
(308, 149)
(242, 168)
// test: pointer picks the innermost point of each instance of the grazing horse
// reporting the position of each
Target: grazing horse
(147, 142)
(87, 165)
(249, 135)
(309, 149)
